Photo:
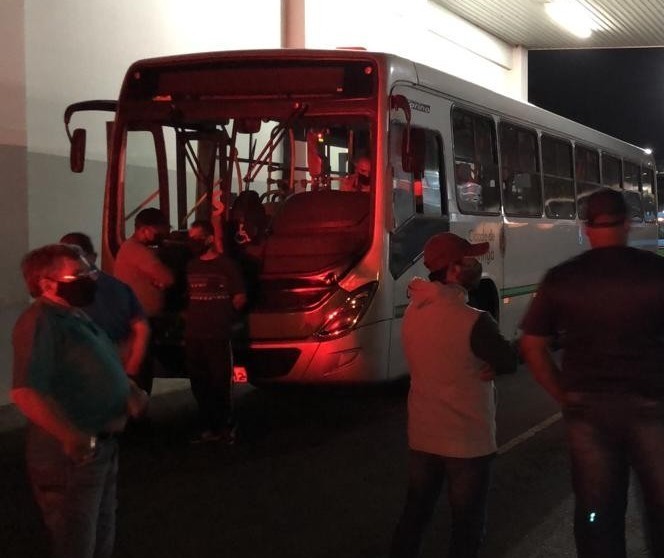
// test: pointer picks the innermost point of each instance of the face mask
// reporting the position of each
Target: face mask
(79, 292)
(363, 180)
(471, 274)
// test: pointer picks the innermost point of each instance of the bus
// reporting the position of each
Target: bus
(276, 134)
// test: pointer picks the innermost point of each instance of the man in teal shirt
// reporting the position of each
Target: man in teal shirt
(69, 382)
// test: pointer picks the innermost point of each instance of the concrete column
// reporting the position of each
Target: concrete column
(292, 24)
(13, 154)
(519, 73)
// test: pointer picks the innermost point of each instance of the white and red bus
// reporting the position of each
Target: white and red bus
(329, 267)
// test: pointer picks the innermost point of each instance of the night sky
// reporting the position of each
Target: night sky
(617, 91)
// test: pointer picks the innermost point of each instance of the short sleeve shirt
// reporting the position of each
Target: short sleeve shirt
(139, 267)
(606, 306)
(63, 354)
(115, 307)
(211, 285)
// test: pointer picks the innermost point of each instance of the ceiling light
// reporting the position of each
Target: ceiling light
(571, 16)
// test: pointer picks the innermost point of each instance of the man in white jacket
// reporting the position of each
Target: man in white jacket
(453, 353)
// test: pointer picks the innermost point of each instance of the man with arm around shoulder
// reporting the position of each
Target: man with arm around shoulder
(453, 352)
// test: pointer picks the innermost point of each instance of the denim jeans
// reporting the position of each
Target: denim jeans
(467, 492)
(607, 435)
(78, 502)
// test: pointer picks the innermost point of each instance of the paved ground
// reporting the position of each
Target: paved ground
(316, 474)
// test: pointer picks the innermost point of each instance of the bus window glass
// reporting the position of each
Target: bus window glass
(632, 194)
(587, 176)
(141, 182)
(432, 202)
(558, 178)
(610, 171)
(475, 163)
(647, 191)
(403, 196)
(634, 207)
(631, 176)
(522, 190)
(418, 206)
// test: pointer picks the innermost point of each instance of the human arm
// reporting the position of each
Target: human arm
(536, 352)
(137, 402)
(42, 410)
(136, 345)
(160, 275)
(488, 344)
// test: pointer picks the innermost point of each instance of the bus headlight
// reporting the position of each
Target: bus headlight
(343, 319)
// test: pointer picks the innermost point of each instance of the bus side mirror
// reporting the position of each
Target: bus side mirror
(77, 150)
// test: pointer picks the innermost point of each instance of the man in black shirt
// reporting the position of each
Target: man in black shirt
(216, 292)
(606, 307)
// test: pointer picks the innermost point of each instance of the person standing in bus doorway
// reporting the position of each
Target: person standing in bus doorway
(138, 266)
(360, 179)
(606, 309)
(115, 309)
(216, 293)
(70, 384)
(453, 353)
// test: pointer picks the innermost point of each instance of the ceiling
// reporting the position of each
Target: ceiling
(622, 23)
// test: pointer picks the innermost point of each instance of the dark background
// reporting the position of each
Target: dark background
(617, 91)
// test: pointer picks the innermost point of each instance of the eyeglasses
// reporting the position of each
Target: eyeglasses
(91, 272)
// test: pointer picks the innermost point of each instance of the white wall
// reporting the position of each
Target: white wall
(13, 179)
(422, 31)
(80, 49)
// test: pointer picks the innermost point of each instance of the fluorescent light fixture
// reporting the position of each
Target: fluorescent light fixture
(571, 16)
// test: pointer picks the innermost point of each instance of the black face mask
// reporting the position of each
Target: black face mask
(363, 180)
(79, 292)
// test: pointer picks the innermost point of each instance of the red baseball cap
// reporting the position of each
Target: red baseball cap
(443, 249)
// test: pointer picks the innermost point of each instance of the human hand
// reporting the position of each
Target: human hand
(138, 400)
(79, 447)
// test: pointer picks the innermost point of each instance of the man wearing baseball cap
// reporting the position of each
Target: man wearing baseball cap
(453, 352)
(606, 308)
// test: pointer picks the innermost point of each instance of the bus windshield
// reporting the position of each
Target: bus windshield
(274, 156)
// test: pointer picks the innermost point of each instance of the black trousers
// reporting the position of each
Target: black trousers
(467, 492)
(210, 369)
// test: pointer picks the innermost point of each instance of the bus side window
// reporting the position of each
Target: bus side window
(522, 190)
(649, 204)
(558, 178)
(586, 176)
(475, 163)
(632, 191)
